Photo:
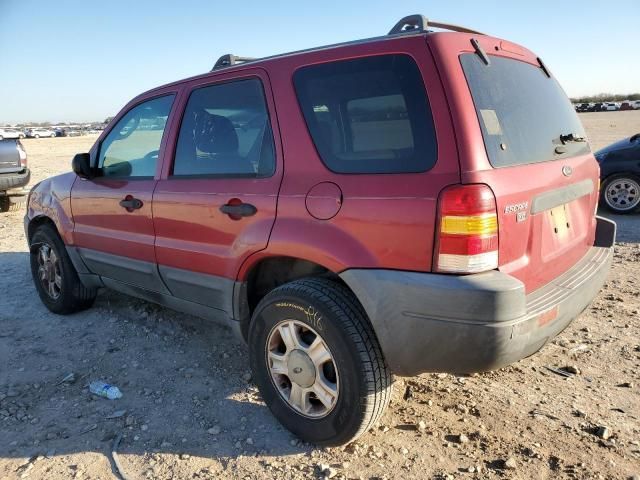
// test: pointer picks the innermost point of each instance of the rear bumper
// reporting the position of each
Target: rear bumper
(461, 324)
(13, 184)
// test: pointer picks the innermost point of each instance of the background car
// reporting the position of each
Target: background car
(40, 132)
(620, 175)
(10, 133)
(14, 175)
(610, 106)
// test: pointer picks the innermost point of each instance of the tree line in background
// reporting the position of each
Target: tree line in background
(606, 97)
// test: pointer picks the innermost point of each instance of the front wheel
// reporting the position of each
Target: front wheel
(317, 361)
(54, 275)
(621, 193)
(36, 136)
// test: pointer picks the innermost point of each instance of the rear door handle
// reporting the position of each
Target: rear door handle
(239, 209)
(131, 203)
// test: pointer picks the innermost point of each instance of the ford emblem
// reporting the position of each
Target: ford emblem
(567, 170)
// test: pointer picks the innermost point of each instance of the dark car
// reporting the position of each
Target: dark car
(372, 227)
(14, 175)
(620, 175)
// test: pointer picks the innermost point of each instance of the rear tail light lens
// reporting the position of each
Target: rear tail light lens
(23, 155)
(467, 236)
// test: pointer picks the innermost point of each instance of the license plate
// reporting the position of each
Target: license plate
(560, 220)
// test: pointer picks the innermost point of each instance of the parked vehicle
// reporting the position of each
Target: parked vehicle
(597, 107)
(14, 175)
(626, 106)
(583, 107)
(620, 175)
(635, 104)
(610, 106)
(407, 233)
(10, 133)
(60, 132)
(40, 132)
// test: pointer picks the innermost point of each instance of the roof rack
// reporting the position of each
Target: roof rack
(420, 23)
(230, 59)
(409, 24)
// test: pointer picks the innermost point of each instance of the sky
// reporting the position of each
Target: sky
(82, 60)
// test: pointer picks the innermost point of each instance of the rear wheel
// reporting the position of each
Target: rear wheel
(317, 362)
(54, 275)
(36, 136)
(11, 204)
(621, 193)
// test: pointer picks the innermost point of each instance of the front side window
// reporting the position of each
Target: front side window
(369, 115)
(226, 131)
(131, 147)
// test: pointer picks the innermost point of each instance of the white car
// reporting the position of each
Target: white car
(40, 132)
(610, 106)
(10, 133)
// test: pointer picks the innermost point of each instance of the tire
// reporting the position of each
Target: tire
(1, 137)
(71, 295)
(620, 193)
(36, 136)
(11, 204)
(318, 307)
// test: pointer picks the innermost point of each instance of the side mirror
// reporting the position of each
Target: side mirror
(81, 165)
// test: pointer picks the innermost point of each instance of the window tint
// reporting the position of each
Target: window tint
(369, 115)
(131, 147)
(226, 131)
(522, 112)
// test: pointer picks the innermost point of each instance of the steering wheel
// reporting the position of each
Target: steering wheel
(153, 155)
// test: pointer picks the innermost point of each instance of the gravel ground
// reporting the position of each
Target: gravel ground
(190, 410)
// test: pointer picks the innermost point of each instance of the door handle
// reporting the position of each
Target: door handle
(131, 203)
(239, 209)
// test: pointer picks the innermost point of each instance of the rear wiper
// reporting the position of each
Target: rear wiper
(571, 138)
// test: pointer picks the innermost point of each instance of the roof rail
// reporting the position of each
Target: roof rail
(230, 59)
(420, 23)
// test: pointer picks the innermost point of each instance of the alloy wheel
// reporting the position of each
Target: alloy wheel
(623, 194)
(49, 271)
(302, 368)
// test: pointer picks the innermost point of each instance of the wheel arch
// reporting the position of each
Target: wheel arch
(267, 273)
(38, 221)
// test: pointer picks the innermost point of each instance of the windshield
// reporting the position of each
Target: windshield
(525, 116)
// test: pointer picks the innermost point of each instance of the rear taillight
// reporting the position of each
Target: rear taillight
(467, 230)
(23, 155)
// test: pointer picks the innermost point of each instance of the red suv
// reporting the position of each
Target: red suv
(417, 202)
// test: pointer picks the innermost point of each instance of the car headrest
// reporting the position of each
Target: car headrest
(214, 134)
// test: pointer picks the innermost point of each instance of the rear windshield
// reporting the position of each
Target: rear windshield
(522, 112)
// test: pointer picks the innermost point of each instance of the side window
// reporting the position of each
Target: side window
(131, 147)
(369, 115)
(226, 131)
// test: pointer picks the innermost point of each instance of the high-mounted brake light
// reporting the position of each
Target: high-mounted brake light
(467, 230)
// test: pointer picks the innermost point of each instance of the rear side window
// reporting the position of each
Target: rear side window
(522, 112)
(369, 115)
(226, 131)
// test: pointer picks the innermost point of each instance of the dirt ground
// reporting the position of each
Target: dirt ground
(190, 411)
